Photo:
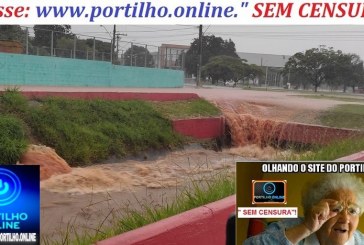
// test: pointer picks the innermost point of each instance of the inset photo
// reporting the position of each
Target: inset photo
(317, 203)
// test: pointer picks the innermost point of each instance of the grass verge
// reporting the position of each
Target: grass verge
(333, 97)
(13, 140)
(88, 131)
(332, 151)
(344, 116)
(186, 109)
(85, 131)
(200, 192)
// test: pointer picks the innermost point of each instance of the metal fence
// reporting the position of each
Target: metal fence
(79, 46)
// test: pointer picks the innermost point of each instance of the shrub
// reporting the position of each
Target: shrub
(13, 102)
(12, 140)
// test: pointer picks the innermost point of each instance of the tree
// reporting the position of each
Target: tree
(226, 68)
(12, 32)
(43, 34)
(347, 70)
(138, 56)
(313, 65)
(251, 72)
(211, 46)
(220, 68)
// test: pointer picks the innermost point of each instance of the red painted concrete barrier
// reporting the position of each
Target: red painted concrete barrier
(247, 129)
(205, 225)
(113, 95)
(354, 157)
(200, 128)
(312, 134)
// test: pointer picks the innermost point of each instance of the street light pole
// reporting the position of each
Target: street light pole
(112, 44)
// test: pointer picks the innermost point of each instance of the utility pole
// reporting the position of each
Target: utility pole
(113, 44)
(266, 78)
(117, 46)
(200, 58)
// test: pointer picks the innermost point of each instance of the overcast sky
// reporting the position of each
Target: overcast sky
(283, 40)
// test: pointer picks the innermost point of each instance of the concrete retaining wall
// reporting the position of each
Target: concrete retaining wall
(20, 69)
(114, 95)
(312, 134)
(200, 128)
(354, 157)
(205, 225)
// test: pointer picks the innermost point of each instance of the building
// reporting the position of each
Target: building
(271, 64)
(265, 60)
(11, 46)
(171, 56)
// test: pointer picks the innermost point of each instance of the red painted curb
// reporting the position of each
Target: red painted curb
(354, 157)
(113, 95)
(200, 128)
(312, 134)
(204, 225)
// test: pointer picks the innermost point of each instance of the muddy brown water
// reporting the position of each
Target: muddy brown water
(83, 198)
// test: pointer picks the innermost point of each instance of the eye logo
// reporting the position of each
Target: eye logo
(10, 187)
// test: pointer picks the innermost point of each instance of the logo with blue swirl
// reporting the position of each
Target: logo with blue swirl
(10, 187)
(269, 188)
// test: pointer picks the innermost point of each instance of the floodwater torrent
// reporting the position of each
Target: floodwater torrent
(84, 196)
(246, 129)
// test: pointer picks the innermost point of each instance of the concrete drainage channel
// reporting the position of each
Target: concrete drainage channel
(205, 224)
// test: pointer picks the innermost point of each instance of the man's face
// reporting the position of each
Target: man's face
(340, 228)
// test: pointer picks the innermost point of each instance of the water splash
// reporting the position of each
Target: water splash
(246, 129)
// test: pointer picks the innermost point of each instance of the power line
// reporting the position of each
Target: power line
(149, 31)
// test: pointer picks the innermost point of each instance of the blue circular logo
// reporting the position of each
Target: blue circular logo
(269, 188)
(10, 187)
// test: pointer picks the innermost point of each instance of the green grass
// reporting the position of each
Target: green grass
(186, 109)
(309, 93)
(201, 191)
(84, 131)
(13, 140)
(333, 97)
(344, 116)
(90, 131)
(332, 151)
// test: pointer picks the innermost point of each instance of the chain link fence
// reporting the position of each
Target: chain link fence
(43, 42)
